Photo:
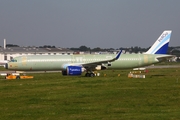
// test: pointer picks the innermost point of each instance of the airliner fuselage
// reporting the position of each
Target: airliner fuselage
(60, 62)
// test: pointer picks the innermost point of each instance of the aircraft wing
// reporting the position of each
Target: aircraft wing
(94, 64)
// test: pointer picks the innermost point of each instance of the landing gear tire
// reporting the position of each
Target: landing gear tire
(17, 77)
(89, 75)
(92, 75)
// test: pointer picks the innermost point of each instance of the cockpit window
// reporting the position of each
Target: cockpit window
(13, 60)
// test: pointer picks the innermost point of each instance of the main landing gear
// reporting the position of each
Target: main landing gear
(91, 74)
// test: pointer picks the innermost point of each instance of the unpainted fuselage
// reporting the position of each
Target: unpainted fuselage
(60, 62)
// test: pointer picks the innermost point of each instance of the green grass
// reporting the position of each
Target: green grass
(53, 96)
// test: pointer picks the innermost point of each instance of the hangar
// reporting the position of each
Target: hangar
(7, 53)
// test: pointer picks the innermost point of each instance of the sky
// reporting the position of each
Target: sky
(93, 23)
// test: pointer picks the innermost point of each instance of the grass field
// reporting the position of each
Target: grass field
(52, 96)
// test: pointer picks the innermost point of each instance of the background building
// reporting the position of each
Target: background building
(7, 53)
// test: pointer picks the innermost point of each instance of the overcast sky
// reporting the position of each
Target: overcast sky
(93, 23)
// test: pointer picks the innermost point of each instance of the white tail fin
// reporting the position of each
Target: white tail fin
(161, 44)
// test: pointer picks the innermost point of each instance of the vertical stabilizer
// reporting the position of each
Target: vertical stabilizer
(161, 44)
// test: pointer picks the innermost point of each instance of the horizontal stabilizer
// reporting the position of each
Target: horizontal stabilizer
(164, 57)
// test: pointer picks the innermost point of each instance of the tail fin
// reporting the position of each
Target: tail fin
(161, 44)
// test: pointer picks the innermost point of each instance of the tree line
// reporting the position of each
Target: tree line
(136, 49)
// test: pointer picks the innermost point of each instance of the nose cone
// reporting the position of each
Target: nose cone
(6, 65)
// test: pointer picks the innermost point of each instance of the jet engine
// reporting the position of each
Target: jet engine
(73, 70)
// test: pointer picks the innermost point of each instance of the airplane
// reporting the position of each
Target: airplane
(77, 64)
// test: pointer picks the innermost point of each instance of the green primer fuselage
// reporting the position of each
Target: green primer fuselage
(60, 62)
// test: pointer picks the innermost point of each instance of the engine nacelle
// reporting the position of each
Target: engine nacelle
(73, 70)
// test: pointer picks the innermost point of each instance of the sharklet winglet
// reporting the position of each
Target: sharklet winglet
(118, 55)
